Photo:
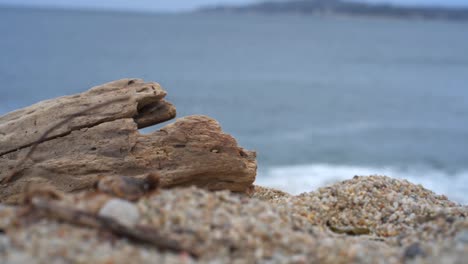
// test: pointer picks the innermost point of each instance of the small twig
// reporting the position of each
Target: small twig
(52, 128)
(142, 234)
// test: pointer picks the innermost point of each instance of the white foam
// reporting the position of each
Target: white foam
(305, 178)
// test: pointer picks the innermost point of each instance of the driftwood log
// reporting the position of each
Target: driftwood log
(95, 134)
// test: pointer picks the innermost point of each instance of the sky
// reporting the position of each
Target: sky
(178, 5)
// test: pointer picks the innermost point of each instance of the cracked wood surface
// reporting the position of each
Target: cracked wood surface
(191, 151)
(126, 98)
(106, 142)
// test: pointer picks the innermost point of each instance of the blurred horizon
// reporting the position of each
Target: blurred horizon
(182, 6)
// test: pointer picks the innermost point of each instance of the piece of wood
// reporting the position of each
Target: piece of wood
(155, 113)
(129, 188)
(191, 151)
(71, 142)
(126, 98)
(143, 234)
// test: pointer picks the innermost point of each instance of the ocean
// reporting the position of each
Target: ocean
(320, 99)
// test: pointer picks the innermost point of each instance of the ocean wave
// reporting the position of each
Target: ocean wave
(305, 178)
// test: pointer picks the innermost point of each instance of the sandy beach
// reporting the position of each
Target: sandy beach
(372, 219)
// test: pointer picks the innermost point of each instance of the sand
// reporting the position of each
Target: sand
(373, 219)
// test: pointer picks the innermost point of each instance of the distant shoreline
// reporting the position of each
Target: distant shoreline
(249, 10)
(348, 9)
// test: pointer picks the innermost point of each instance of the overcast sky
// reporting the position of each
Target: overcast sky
(174, 5)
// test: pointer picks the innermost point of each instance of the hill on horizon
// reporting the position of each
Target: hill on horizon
(340, 7)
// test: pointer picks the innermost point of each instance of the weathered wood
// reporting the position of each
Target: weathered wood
(127, 98)
(155, 113)
(191, 151)
(129, 188)
(72, 142)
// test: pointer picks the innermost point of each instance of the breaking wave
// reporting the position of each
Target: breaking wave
(305, 178)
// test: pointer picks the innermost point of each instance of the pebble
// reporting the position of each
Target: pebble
(462, 237)
(413, 251)
(121, 210)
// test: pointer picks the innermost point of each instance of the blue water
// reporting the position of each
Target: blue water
(320, 98)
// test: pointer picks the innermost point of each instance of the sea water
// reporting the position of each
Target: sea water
(320, 99)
